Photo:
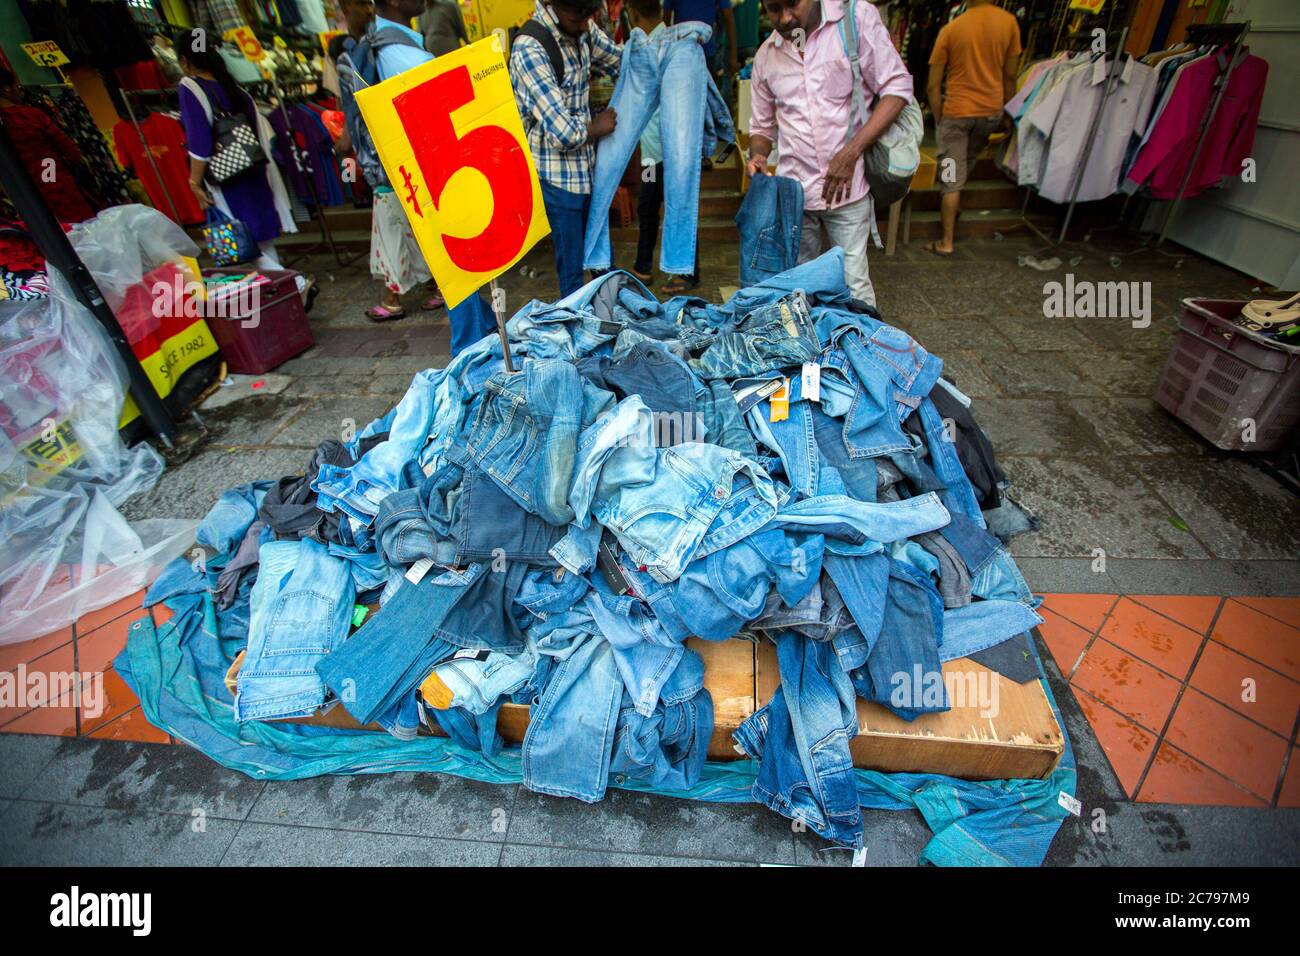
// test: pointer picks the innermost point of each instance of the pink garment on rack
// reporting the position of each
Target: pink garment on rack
(1163, 161)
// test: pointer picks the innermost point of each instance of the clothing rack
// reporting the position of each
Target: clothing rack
(299, 158)
(148, 154)
(1207, 33)
(1112, 79)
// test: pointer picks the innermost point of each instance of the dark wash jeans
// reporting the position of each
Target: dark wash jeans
(567, 213)
(771, 223)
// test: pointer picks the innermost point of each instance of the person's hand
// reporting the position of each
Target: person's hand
(603, 123)
(756, 166)
(201, 194)
(839, 175)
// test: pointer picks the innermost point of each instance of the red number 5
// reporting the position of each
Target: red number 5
(425, 113)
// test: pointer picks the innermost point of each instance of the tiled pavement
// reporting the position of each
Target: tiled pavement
(1146, 650)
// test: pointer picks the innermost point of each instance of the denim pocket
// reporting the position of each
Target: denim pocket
(301, 616)
(769, 250)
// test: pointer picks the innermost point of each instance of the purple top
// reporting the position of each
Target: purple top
(249, 197)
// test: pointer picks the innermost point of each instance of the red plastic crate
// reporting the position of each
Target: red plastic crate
(280, 332)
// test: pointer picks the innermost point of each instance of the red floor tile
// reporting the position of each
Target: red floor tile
(117, 699)
(57, 721)
(161, 614)
(1243, 752)
(1175, 777)
(58, 661)
(1221, 673)
(1152, 638)
(133, 725)
(96, 650)
(1086, 610)
(1132, 687)
(1127, 746)
(1257, 635)
(1065, 639)
(1285, 609)
(90, 621)
(11, 655)
(1290, 796)
(1194, 612)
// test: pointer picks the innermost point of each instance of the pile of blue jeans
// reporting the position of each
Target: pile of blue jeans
(774, 468)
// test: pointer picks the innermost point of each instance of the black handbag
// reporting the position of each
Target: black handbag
(236, 149)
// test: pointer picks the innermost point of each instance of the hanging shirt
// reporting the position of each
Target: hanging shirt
(1162, 163)
(1065, 114)
(808, 99)
(164, 140)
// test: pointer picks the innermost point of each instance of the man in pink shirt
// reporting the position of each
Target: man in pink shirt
(802, 94)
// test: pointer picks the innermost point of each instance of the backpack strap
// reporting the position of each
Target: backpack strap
(848, 27)
(537, 30)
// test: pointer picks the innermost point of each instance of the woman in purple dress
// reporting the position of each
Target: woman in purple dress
(257, 198)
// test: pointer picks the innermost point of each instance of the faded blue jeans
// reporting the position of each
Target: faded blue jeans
(669, 74)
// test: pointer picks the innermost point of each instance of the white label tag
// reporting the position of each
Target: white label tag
(812, 382)
(859, 855)
(1070, 803)
(470, 655)
(418, 570)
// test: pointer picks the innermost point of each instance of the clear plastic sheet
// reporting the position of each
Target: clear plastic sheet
(64, 469)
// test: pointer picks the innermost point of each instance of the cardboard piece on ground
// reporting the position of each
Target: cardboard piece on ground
(1020, 739)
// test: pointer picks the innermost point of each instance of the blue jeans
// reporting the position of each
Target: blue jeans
(667, 73)
(570, 736)
(667, 747)
(301, 611)
(470, 321)
(801, 739)
(770, 220)
(567, 213)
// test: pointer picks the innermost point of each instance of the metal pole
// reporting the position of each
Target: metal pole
(52, 240)
(1200, 136)
(501, 323)
(1112, 78)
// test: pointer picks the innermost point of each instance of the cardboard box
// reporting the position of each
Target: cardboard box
(1018, 737)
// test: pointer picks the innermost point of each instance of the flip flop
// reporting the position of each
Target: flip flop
(435, 301)
(381, 313)
(932, 248)
(646, 277)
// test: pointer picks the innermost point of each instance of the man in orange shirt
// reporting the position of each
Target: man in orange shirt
(978, 52)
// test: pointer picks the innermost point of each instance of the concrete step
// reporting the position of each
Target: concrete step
(973, 223)
(976, 194)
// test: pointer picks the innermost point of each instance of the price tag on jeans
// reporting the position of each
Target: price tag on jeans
(1070, 803)
(860, 856)
(812, 382)
(780, 403)
(418, 570)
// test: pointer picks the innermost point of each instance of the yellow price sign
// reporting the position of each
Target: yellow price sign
(451, 140)
(45, 53)
(248, 44)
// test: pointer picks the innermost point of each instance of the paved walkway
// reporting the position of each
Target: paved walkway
(1170, 571)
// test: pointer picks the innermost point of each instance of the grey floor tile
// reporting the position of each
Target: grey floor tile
(144, 777)
(1038, 333)
(320, 386)
(1138, 426)
(1134, 374)
(55, 834)
(1038, 373)
(1066, 575)
(962, 367)
(189, 490)
(1097, 503)
(948, 334)
(315, 362)
(23, 756)
(254, 421)
(1136, 576)
(417, 804)
(517, 855)
(1236, 510)
(1044, 427)
(640, 823)
(332, 418)
(262, 844)
(891, 837)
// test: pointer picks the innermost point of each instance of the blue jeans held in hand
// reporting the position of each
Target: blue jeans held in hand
(801, 739)
(568, 213)
(667, 73)
(770, 220)
(301, 611)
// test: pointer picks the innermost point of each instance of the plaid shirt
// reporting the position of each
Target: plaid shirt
(556, 117)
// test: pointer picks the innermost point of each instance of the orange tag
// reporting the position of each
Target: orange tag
(780, 402)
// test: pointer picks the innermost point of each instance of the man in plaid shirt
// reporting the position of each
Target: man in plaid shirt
(557, 118)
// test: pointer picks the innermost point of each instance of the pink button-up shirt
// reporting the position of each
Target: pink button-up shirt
(807, 98)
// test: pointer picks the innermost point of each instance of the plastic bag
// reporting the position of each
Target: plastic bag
(64, 470)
